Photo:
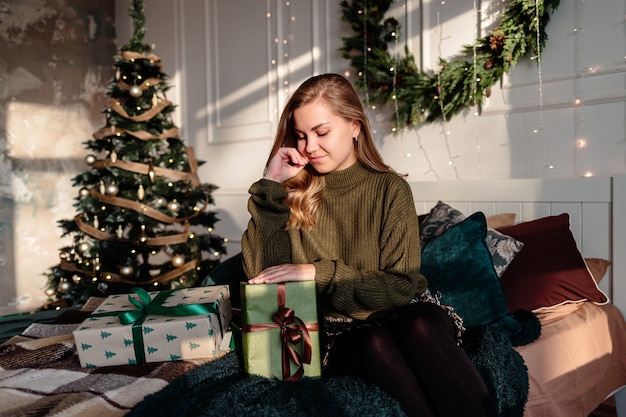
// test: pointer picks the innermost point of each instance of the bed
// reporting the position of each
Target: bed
(578, 361)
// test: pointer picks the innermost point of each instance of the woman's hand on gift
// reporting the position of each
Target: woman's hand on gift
(285, 164)
(284, 273)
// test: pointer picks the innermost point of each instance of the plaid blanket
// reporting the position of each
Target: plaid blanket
(40, 375)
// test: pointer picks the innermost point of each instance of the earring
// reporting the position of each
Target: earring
(356, 138)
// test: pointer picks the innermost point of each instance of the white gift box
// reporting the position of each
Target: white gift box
(165, 326)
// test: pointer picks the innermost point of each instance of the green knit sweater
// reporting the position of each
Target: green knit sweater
(365, 245)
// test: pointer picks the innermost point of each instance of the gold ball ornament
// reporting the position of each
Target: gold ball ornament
(112, 189)
(83, 247)
(178, 260)
(135, 91)
(127, 271)
(173, 206)
(64, 286)
(77, 279)
(90, 159)
(83, 193)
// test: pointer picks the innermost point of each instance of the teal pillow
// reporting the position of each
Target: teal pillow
(442, 216)
(458, 266)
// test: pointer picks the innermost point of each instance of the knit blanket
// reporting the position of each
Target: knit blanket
(40, 375)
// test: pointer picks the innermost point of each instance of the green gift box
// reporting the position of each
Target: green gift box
(280, 331)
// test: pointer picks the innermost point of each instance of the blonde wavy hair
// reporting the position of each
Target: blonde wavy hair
(305, 189)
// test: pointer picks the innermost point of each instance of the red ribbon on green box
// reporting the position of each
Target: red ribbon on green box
(294, 332)
(147, 306)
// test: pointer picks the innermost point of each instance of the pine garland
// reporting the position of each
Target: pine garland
(417, 96)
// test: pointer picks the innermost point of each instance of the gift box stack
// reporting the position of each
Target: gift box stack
(155, 326)
(280, 332)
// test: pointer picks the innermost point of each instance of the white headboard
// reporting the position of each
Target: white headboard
(597, 208)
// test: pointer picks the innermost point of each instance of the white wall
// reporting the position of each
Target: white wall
(233, 62)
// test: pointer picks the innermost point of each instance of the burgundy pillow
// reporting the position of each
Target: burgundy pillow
(549, 270)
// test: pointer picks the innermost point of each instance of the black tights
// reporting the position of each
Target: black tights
(416, 360)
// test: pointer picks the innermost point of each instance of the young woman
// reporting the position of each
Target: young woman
(329, 209)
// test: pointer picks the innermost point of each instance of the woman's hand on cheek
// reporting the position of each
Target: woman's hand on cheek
(285, 273)
(285, 164)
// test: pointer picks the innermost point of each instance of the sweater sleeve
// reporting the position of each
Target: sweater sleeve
(266, 241)
(360, 293)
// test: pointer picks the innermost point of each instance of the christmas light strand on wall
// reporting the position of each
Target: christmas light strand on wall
(365, 52)
(281, 54)
(441, 98)
(539, 130)
(273, 59)
(396, 40)
(429, 163)
(477, 19)
(496, 54)
(581, 139)
(287, 47)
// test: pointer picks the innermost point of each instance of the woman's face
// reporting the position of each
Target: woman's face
(325, 138)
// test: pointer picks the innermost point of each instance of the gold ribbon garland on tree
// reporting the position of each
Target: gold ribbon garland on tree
(141, 135)
(140, 168)
(419, 96)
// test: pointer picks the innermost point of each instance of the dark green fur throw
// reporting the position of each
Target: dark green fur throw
(219, 388)
(502, 369)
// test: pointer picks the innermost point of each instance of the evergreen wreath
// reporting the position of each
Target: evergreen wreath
(417, 96)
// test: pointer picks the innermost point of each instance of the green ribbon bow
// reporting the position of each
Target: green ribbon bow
(147, 306)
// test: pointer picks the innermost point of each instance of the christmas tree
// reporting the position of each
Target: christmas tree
(142, 213)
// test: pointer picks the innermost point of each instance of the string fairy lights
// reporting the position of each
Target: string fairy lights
(366, 50)
(287, 47)
(579, 102)
(477, 19)
(365, 53)
(444, 120)
(281, 54)
(394, 96)
(426, 157)
(539, 130)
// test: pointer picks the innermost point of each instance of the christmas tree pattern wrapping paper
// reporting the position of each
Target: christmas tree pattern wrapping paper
(280, 331)
(161, 326)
